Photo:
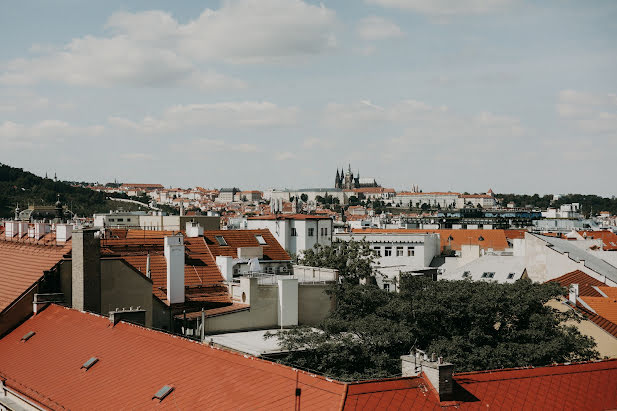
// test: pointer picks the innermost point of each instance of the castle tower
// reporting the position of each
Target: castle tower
(337, 180)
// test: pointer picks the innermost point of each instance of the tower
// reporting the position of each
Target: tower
(337, 180)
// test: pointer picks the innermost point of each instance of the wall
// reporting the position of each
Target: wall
(313, 305)
(122, 287)
(19, 311)
(177, 223)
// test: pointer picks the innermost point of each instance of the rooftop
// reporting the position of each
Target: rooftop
(494, 239)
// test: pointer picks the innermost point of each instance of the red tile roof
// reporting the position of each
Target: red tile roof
(272, 250)
(135, 362)
(600, 321)
(605, 307)
(513, 234)
(585, 283)
(290, 217)
(22, 265)
(609, 239)
(494, 239)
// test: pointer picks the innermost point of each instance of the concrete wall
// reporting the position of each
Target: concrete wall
(19, 311)
(313, 306)
(123, 287)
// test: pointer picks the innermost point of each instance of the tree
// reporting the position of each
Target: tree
(353, 200)
(475, 325)
(304, 197)
(354, 260)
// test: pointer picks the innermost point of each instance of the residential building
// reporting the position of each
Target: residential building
(296, 232)
(160, 222)
(118, 219)
(227, 195)
(398, 252)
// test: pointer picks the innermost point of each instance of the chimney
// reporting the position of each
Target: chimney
(64, 232)
(194, 229)
(40, 229)
(11, 228)
(226, 267)
(148, 273)
(573, 295)
(131, 315)
(174, 255)
(288, 302)
(23, 228)
(86, 276)
(435, 370)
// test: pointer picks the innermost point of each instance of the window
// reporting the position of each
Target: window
(488, 275)
(377, 250)
(411, 251)
(260, 240)
(294, 233)
(221, 240)
(324, 231)
(120, 220)
(128, 220)
(386, 287)
(399, 251)
(311, 231)
(510, 276)
(111, 220)
(387, 251)
(467, 274)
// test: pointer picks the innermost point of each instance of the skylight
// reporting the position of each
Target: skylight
(260, 240)
(221, 240)
(28, 336)
(163, 392)
(90, 363)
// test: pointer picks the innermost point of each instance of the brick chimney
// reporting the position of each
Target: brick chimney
(435, 370)
(86, 275)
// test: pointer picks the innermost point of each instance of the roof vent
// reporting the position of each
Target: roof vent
(163, 392)
(90, 363)
(28, 336)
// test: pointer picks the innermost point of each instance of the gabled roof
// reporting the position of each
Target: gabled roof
(235, 239)
(586, 283)
(609, 239)
(606, 305)
(290, 217)
(135, 362)
(22, 264)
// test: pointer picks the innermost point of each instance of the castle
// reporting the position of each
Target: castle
(347, 181)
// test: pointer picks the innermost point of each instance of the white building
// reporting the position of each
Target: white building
(565, 211)
(398, 253)
(433, 199)
(118, 219)
(296, 232)
(310, 193)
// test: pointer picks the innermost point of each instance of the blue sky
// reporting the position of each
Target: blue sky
(449, 95)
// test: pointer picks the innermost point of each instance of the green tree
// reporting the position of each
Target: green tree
(475, 325)
(304, 197)
(354, 260)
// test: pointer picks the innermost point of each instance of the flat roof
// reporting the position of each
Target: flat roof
(249, 342)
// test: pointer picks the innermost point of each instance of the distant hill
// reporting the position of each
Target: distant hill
(23, 187)
(589, 203)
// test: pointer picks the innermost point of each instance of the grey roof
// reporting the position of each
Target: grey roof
(577, 254)
(501, 267)
(250, 342)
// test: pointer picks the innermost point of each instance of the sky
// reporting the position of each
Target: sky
(462, 95)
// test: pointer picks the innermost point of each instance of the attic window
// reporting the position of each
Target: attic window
(28, 336)
(467, 274)
(260, 240)
(221, 240)
(510, 276)
(90, 363)
(163, 392)
(488, 275)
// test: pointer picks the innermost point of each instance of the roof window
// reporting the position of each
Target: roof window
(488, 275)
(163, 392)
(28, 336)
(90, 363)
(510, 276)
(260, 240)
(221, 240)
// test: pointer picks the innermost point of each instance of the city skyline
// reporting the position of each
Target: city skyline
(509, 95)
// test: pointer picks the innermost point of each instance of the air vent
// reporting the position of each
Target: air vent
(163, 392)
(90, 363)
(28, 336)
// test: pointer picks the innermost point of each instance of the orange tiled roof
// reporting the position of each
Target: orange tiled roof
(609, 239)
(272, 250)
(603, 306)
(134, 363)
(22, 264)
(585, 283)
(512, 234)
(495, 239)
(290, 217)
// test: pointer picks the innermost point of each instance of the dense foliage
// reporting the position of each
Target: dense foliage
(354, 260)
(25, 188)
(589, 203)
(475, 325)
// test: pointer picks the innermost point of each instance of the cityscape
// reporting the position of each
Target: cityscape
(201, 208)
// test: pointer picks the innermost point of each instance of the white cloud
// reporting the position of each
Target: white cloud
(445, 7)
(224, 115)
(206, 145)
(377, 28)
(138, 156)
(591, 113)
(317, 143)
(153, 49)
(283, 156)
(43, 133)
